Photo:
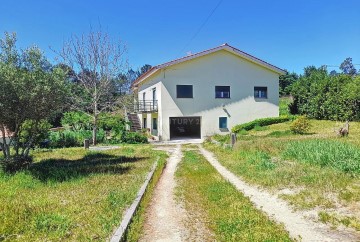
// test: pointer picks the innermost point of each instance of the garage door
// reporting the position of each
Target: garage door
(185, 127)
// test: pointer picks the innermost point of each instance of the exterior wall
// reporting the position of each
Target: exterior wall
(220, 68)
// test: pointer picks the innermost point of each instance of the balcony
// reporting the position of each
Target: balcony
(143, 106)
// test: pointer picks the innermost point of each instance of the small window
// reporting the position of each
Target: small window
(260, 92)
(144, 124)
(222, 91)
(223, 123)
(154, 124)
(184, 91)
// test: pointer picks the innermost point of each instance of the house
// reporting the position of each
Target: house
(205, 93)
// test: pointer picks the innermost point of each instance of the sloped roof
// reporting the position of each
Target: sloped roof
(225, 46)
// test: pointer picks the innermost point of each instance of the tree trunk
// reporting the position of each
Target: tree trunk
(94, 133)
(94, 130)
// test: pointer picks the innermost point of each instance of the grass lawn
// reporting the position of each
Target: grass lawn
(317, 171)
(72, 194)
(227, 214)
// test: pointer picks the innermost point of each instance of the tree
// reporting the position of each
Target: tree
(144, 69)
(97, 61)
(347, 67)
(31, 91)
(285, 82)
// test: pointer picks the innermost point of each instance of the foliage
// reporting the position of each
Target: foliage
(347, 67)
(70, 138)
(109, 121)
(285, 82)
(301, 125)
(98, 61)
(335, 154)
(76, 121)
(134, 138)
(260, 122)
(322, 96)
(284, 104)
(31, 92)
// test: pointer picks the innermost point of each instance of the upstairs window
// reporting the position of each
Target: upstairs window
(222, 91)
(260, 92)
(184, 91)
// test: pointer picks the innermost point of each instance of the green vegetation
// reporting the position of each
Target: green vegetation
(320, 169)
(226, 212)
(332, 153)
(301, 125)
(319, 95)
(72, 194)
(284, 103)
(260, 123)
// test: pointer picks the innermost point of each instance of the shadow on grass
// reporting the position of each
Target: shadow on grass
(60, 170)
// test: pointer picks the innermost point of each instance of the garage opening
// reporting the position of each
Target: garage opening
(185, 127)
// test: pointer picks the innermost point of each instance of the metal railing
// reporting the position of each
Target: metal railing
(143, 106)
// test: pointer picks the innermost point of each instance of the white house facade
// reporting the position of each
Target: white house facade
(206, 93)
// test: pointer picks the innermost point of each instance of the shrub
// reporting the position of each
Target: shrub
(134, 138)
(260, 122)
(76, 120)
(300, 126)
(69, 138)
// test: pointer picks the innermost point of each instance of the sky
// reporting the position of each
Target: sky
(286, 33)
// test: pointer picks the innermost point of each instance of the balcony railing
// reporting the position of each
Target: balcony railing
(144, 106)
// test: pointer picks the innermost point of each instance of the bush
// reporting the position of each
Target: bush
(300, 126)
(69, 138)
(76, 120)
(134, 138)
(260, 122)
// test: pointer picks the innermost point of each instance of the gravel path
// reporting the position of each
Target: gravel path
(164, 216)
(278, 210)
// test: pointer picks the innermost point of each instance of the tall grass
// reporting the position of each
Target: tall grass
(332, 153)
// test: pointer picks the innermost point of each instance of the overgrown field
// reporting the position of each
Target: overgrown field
(71, 194)
(227, 214)
(317, 171)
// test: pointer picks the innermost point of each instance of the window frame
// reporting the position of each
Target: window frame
(216, 92)
(177, 91)
(258, 90)
(226, 123)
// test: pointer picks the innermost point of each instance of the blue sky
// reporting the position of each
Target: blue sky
(288, 34)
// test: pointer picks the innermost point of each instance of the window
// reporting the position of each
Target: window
(184, 91)
(223, 123)
(144, 124)
(260, 92)
(154, 124)
(222, 91)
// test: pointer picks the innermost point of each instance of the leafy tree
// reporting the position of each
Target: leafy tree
(285, 82)
(98, 61)
(322, 96)
(144, 69)
(347, 67)
(31, 91)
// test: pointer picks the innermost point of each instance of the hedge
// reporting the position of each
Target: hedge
(261, 122)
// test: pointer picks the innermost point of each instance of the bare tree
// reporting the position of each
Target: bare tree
(97, 61)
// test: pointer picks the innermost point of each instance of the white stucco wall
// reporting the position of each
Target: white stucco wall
(221, 68)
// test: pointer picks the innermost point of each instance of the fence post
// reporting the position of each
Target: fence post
(86, 143)
(233, 139)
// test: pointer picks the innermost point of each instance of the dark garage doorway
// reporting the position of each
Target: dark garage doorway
(185, 127)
